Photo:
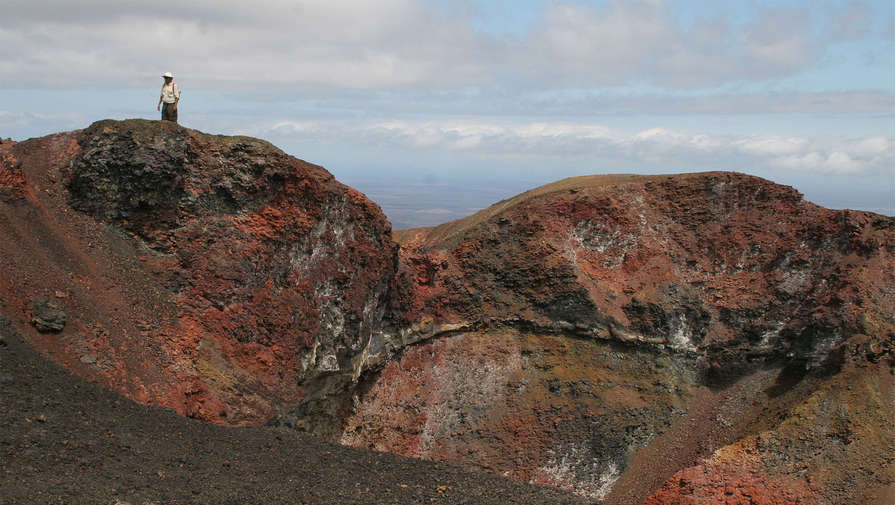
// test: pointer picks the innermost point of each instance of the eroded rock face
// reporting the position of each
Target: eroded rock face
(724, 299)
(824, 441)
(541, 408)
(730, 267)
(215, 275)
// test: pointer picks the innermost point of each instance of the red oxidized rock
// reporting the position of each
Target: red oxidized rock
(12, 181)
(603, 333)
(733, 477)
(720, 264)
(222, 272)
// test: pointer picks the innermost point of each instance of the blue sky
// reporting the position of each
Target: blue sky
(501, 95)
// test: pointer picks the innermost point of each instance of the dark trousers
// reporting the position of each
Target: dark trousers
(169, 113)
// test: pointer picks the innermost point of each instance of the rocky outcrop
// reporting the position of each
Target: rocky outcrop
(602, 333)
(729, 267)
(214, 275)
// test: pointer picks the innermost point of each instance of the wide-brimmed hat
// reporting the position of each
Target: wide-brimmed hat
(168, 74)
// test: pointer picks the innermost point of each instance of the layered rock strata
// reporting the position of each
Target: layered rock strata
(616, 331)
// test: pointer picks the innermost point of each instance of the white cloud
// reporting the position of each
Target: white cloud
(354, 44)
(12, 122)
(836, 162)
(873, 146)
(772, 146)
(781, 41)
(609, 46)
(391, 44)
(587, 141)
(852, 22)
(638, 41)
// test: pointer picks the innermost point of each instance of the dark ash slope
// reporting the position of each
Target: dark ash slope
(65, 440)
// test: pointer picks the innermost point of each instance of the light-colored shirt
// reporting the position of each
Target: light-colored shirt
(170, 92)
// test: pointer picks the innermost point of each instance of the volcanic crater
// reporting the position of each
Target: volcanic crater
(694, 338)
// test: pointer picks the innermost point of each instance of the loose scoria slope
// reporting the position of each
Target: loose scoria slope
(213, 275)
(66, 441)
(711, 337)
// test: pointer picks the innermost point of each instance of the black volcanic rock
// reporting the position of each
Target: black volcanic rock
(47, 317)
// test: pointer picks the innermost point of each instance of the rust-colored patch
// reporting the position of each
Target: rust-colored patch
(538, 408)
(199, 270)
(735, 476)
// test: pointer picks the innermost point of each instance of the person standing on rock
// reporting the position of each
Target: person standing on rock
(170, 97)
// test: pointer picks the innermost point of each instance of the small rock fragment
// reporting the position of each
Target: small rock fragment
(47, 317)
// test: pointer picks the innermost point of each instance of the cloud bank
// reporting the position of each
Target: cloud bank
(655, 147)
(390, 44)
